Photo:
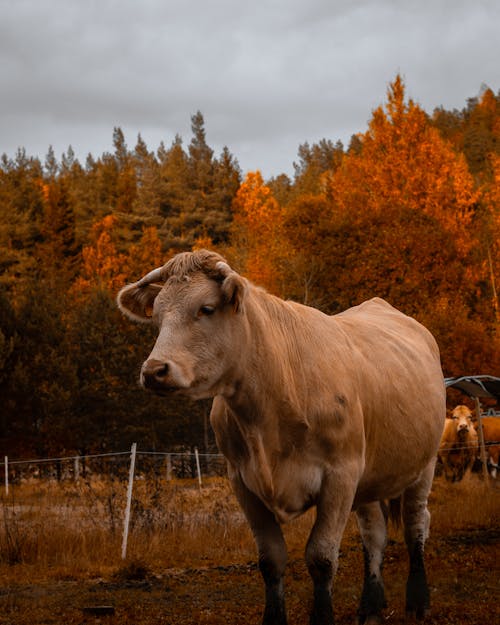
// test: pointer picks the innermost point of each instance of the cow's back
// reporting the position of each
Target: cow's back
(491, 429)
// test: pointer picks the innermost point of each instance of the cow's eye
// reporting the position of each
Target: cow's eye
(206, 311)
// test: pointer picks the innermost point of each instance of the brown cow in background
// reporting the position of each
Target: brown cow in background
(459, 444)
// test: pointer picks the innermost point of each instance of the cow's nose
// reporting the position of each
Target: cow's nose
(463, 427)
(154, 373)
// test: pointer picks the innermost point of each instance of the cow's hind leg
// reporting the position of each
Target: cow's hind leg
(272, 551)
(373, 529)
(416, 519)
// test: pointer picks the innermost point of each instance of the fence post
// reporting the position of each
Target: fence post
(198, 470)
(481, 438)
(169, 467)
(129, 500)
(77, 468)
(6, 475)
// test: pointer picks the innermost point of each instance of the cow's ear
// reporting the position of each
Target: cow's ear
(136, 302)
(234, 289)
(233, 286)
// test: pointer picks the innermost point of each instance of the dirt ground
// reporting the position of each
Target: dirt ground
(462, 569)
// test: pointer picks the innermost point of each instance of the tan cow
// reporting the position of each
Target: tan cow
(459, 444)
(338, 412)
(491, 433)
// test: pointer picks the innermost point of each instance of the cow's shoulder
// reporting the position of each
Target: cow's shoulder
(374, 307)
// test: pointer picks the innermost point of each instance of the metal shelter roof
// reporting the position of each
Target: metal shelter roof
(476, 385)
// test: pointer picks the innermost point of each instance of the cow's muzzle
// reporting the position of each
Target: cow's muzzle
(155, 376)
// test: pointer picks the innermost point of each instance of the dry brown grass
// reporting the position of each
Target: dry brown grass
(473, 503)
(192, 560)
(53, 531)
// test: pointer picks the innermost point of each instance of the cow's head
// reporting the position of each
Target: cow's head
(462, 417)
(196, 301)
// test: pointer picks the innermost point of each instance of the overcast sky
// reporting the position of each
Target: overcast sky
(266, 75)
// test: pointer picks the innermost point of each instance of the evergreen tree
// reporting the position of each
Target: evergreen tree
(21, 214)
(126, 184)
(146, 208)
(200, 157)
(51, 164)
(58, 251)
(314, 161)
(481, 138)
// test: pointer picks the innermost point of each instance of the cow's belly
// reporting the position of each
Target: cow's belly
(288, 491)
(375, 488)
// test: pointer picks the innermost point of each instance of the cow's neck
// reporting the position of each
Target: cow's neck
(269, 362)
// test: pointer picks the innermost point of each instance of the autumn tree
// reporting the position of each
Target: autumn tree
(103, 267)
(489, 239)
(146, 254)
(395, 220)
(405, 186)
(258, 244)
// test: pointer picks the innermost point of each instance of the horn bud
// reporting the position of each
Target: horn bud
(224, 268)
(156, 275)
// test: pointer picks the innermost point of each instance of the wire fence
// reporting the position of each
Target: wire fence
(169, 465)
(123, 473)
(120, 471)
(472, 446)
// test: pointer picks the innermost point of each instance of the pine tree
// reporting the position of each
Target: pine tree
(21, 214)
(146, 208)
(58, 250)
(126, 185)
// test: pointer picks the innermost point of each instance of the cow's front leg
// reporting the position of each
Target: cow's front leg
(272, 551)
(322, 549)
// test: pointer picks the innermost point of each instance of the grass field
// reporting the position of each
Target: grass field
(191, 558)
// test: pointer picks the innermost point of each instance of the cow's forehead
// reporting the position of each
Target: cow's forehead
(186, 291)
(462, 411)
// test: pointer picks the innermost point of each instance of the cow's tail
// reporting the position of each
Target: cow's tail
(392, 511)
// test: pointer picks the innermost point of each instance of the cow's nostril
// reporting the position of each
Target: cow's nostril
(161, 372)
(154, 373)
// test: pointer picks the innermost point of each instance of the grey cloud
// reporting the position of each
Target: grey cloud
(266, 75)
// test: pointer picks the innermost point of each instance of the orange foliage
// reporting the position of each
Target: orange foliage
(103, 266)
(258, 234)
(145, 255)
(404, 163)
(491, 199)
(203, 243)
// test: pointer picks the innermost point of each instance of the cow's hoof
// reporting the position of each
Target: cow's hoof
(415, 616)
(373, 619)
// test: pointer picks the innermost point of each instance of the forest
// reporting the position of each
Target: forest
(408, 211)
